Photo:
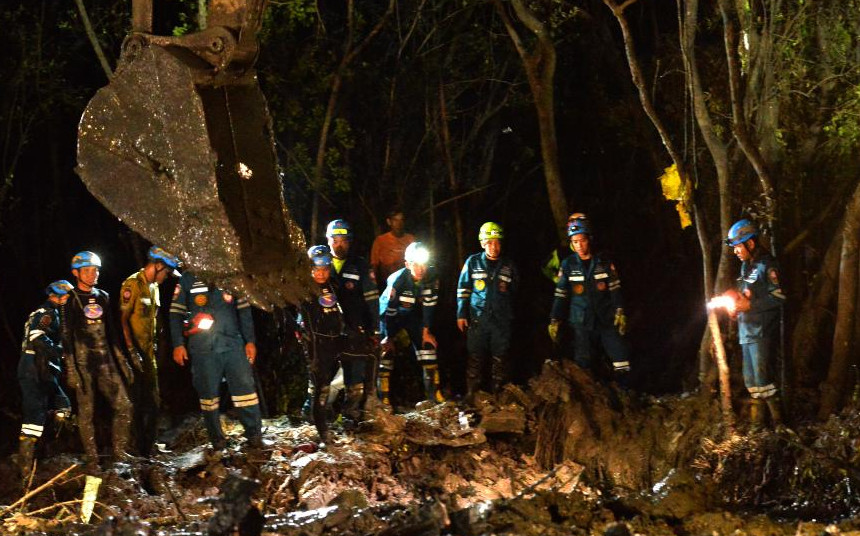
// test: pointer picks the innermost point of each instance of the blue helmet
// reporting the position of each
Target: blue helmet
(578, 226)
(740, 232)
(338, 228)
(61, 287)
(156, 254)
(320, 255)
(85, 258)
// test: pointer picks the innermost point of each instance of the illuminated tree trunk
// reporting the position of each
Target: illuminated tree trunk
(833, 388)
(539, 65)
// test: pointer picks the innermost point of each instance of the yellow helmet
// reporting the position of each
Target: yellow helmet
(489, 230)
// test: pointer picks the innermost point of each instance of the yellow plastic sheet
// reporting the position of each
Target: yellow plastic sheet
(674, 189)
(91, 491)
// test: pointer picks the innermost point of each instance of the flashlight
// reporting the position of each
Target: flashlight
(722, 302)
(200, 322)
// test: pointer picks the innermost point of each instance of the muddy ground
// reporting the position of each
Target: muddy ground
(565, 456)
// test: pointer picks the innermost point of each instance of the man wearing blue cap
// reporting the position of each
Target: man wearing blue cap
(95, 361)
(39, 371)
(139, 304)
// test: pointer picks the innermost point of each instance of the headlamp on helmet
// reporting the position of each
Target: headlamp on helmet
(417, 253)
(338, 228)
(740, 232)
(578, 227)
(320, 255)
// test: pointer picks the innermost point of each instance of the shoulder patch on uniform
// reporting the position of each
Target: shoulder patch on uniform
(126, 295)
(45, 321)
(773, 275)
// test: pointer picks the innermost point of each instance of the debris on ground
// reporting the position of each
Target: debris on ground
(569, 456)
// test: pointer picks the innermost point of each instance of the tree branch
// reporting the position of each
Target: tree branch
(91, 35)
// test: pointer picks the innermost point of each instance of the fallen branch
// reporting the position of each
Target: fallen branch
(40, 489)
(55, 505)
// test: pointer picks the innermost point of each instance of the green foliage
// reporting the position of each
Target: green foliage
(844, 126)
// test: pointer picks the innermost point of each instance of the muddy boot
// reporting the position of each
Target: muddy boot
(473, 378)
(775, 407)
(499, 373)
(309, 402)
(384, 388)
(756, 415)
(319, 412)
(353, 404)
(26, 455)
(431, 384)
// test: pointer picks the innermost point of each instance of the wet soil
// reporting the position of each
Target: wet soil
(565, 456)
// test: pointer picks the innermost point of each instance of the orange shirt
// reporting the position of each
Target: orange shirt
(386, 255)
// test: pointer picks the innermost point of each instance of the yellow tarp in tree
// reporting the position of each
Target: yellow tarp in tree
(674, 189)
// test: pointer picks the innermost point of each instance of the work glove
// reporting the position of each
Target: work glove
(620, 321)
(552, 329)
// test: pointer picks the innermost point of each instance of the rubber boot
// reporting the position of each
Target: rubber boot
(309, 402)
(499, 373)
(473, 377)
(353, 403)
(384, 387)
(775, 407)
(26, 455)
(431, 384)
(756, 414)
(319, 413)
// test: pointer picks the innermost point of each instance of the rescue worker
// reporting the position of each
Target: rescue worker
(215, 330)
(485, 310)
(139, 304)
(320, 328)
(359, 299)
(409, 303)
(387, 253)
(94, 361)
(553, 261)
(39, 371)
(588, 295)
(757, 306)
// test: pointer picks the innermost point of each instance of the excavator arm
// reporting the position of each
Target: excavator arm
(179, 146)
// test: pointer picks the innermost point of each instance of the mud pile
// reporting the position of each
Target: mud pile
(624, 464)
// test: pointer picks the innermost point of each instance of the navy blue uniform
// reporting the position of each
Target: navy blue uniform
(485, 293)
(97, 364)
(758, 328)
(588, 293)
(358, 296)
(321, 332)
(217, 351)
(411, 305)
(39, 370)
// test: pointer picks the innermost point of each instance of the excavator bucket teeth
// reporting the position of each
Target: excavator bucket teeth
(193, 169)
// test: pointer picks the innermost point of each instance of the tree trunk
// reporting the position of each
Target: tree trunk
(719, 155)
(445, 144)
(833, 389)
(540, 72)
(94, 41)
(349, 54)
(816, 308)
(740, 128)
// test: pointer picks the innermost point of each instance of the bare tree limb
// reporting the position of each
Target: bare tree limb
(91, 35)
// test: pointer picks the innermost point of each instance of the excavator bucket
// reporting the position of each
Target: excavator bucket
(179, 146)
